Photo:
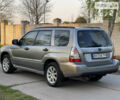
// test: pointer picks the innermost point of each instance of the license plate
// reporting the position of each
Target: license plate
(99, 56)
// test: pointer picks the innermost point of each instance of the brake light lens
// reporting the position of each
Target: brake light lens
(74, 56)
(75, 60)
(114, 57)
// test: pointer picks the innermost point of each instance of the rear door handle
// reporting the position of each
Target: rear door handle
(45, 49)
(26, 48)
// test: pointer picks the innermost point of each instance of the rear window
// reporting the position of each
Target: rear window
(93, 38)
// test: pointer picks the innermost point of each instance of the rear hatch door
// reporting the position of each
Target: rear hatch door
(95, 47)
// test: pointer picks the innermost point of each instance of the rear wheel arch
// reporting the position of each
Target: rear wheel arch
(50, 61)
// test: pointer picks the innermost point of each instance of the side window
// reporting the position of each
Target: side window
(44, 38)
(28, 39)
(62, 37)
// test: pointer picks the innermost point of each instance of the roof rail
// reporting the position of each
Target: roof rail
(55, 27)
(91, 27)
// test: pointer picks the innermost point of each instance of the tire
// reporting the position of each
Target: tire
(94, 78)
(54, 76)
(7, 66)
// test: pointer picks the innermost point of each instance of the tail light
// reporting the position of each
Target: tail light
(74, 56)
(114, 57)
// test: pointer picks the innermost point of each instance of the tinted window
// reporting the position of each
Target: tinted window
(28, 39)
(62, 38)
(44, 38)
(93, 38)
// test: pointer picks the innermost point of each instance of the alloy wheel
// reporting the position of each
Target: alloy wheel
(52, 75)
(5, 64)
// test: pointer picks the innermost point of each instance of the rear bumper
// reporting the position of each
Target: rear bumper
(73, 70)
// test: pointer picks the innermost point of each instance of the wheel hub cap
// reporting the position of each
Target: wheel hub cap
(51, 75)
(6, 64)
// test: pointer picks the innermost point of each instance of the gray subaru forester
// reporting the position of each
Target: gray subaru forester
(62, 52)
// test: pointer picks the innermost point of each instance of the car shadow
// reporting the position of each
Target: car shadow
(110, 81)
(29, 74)
(71, 82)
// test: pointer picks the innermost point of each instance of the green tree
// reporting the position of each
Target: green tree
(90, 11)
(112, 14)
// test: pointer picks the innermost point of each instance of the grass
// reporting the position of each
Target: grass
(6, 93)
(1, 45)
(118, 58)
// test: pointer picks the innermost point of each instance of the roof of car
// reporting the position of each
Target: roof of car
(89, 28)
(68, 27)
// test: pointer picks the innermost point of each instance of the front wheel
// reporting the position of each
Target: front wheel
(7, 66)
(53, 74)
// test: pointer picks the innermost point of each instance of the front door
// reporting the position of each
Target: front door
(23, 55)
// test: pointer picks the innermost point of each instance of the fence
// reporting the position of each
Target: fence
(10, 32)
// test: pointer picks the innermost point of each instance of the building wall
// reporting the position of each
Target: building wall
(10, 32)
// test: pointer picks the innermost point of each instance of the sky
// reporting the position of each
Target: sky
(67, 10)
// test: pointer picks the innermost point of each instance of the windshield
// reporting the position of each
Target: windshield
(93, 38)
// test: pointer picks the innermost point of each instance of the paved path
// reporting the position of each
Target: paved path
(35, 85)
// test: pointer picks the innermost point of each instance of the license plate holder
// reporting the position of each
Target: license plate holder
(99, 56)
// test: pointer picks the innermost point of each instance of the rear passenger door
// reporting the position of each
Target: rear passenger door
(42, 46)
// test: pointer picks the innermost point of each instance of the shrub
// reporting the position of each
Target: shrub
(80, 20)
(1, 45)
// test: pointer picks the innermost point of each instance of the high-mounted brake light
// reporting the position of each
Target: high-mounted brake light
(74, 56)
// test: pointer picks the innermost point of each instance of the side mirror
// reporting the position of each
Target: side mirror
(15, 42)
